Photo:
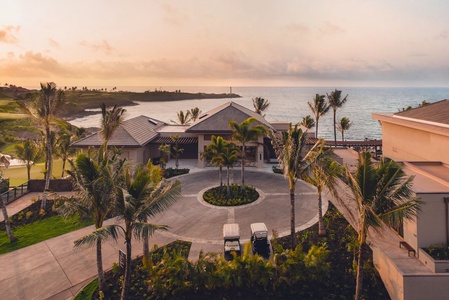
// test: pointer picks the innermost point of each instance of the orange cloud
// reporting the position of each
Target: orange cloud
(173, 16)
(7, 34)
(102, 46)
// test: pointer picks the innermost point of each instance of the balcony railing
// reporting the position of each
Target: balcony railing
(14, 193)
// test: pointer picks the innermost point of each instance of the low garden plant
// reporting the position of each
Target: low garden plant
(170, 172)
(438, 251)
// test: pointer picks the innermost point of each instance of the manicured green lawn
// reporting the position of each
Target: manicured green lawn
(40, 231)
(18, 175)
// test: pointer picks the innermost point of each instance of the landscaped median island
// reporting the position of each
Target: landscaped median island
(219, 195)
(319, 268)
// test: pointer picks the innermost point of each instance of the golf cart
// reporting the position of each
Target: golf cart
(231, 236)
(259, 239)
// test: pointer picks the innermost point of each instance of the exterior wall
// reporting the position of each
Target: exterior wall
(417, 287)
(391, 277)
(407, 286)
(409, 144)
(431, 222)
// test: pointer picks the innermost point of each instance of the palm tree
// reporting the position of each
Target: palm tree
(336, 102)
(260, 105)
(139, 200)
(110, 120)
(344, 125)
(177, 151)
(165, 151)
(323, 174)
(156, 176)
(229, 158)
(183, 118)
(382, 194)
(45, 105)
(194, 114)
(96, 178)
(63, 150)
(29, 152)
(214, 152)
(244, 133)
(4, 160)
(319, 108)
(295, 159)
(308, 122)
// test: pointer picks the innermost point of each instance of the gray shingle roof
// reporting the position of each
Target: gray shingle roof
(217, 119)
(135, 132)
(437, 112)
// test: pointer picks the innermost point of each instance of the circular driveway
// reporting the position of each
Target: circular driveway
(191, 219)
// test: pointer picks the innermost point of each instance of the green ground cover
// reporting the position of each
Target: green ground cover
(39, 231)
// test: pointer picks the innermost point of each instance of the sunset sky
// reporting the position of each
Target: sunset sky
(225, 43)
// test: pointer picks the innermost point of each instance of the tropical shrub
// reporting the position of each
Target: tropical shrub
(438, 251)
(170, 172)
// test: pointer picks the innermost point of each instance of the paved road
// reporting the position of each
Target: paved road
(54, 270)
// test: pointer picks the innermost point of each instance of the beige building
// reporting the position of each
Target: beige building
(139, 138)
(419, 139)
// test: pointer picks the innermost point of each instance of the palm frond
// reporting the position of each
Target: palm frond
(102, 234)
(142, 230)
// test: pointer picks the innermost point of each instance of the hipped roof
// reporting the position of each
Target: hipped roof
(217, 120)
(134, 132)
(437, 112)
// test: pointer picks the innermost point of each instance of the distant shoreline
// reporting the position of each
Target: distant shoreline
(77, 101)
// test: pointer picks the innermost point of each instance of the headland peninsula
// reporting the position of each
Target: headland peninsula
(78, 100)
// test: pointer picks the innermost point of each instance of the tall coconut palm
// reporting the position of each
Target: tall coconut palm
(336, 102)
(214, 152)
(29, 152)
(156, 176)
(229, 158)
(343, 125)
(319, 107)
(44, 106)
(295, 159)
(96, 179)
(4, 161)
(139, 200)
(308, 122)
(243, 133)
(183, 118)
(260, 105)
(110, 120)
(323, 174)
(194, 113)
(382, 194)
(63, 150)
(97, 176)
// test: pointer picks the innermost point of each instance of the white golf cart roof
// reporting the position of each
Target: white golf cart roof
(259, 230)
(231, 231)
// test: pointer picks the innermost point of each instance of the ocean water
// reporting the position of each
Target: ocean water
(290, 104)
